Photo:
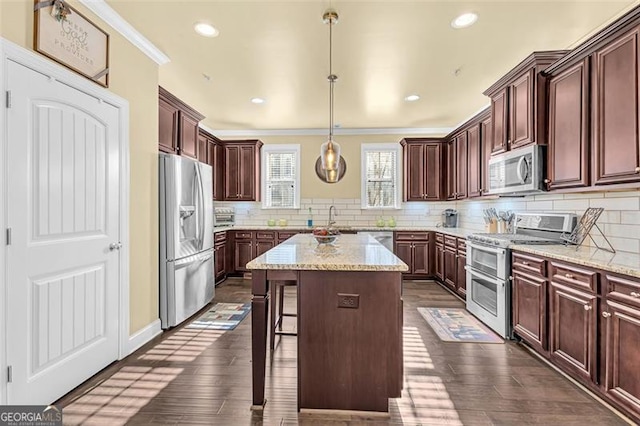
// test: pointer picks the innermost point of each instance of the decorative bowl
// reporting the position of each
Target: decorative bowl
(325, 235)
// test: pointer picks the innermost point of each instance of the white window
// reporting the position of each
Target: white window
(281, 176)
(381, 176)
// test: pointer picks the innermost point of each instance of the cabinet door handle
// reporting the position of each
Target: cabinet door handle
(606, 314)
(634, 294)
(637, 169)
(525, 263)
(569, 276)
(547, 181)
(587, 307)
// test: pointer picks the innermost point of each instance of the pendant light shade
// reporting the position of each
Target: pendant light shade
(330, 150)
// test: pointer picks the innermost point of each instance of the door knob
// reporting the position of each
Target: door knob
(115, 246)
(606, 314)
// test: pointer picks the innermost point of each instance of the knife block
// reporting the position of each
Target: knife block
(491, 227)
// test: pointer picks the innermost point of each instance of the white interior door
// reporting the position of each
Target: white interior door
(62, 288)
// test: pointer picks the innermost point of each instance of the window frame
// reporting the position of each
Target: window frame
(279, 148)
(376, 147)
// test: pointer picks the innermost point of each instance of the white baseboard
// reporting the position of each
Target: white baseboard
(143, 336)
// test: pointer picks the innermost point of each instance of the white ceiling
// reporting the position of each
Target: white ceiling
(383, 51)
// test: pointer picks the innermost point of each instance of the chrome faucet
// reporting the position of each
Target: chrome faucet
(331, 222)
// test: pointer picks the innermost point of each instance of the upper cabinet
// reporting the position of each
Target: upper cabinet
(518, 103)
(178, 126)
(594, 111)
(210, 152)
(423, 169)
(616, 146)
(242, 170)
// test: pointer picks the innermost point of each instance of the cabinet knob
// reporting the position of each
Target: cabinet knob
(510, 277)
(634, 294)
(587, 307)
(606, 314)
(525, 263)
(569, 276)
(547, 181)
(637, 169)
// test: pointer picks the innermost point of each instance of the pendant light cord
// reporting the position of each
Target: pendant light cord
(331, 79)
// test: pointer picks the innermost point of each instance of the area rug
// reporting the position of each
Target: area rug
(458, 325)
(223, 316)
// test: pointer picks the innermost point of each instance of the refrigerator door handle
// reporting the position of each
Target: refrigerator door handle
(201, 212)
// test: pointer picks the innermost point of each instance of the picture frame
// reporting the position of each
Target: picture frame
(66, 36)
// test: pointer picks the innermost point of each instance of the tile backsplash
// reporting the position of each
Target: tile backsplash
(620, 221)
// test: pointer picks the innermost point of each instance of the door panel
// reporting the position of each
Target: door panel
(521, 106)
(440, 262)
(404, 250)
(530, 309)
(232, 173)
(474, 155)
(461, 166)
(500, 121)
(450, 268)
(248, 170)
(461, 278)
(452, 170)
(243, 255)
(63, 195)
(485, 136)
(421, 258)
(168, 127)
(433, 172)
(415, 172)
(188, 136)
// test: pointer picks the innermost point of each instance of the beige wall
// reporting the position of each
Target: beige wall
(134, 77)
(311, 186)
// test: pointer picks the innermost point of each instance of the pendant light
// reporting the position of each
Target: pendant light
(330, 150)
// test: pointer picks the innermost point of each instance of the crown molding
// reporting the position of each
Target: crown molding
(118, 23)
(426, 131)
(481, 111)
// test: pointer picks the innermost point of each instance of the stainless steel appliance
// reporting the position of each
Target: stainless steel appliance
(224, 216)
(517, 172)
(489, 264)
(186, 238)
(383, 237)
(450, 218)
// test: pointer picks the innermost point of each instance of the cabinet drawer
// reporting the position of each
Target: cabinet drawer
(450, 241)
(440, 238)
(285, 235)
(529, 264)
(243, 235)
(411, 236)
(575, 277)
(265, 235)
(462, 245)
(220, 236)
(624, 289)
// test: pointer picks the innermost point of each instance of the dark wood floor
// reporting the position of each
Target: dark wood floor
(191, 376)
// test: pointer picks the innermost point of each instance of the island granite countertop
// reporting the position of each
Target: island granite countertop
(348, 253)
(455, 232)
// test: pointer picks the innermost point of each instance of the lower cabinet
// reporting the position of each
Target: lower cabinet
(586, 321)
(220, 256)
(415, 249)
(439, 264)
(450, 267)
(461, 275)
(243, 254)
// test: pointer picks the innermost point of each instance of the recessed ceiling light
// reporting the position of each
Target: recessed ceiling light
(465, 20)
(412, 98)
(257, 100)
(206, 30)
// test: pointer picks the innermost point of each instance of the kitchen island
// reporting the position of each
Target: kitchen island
(349, 321)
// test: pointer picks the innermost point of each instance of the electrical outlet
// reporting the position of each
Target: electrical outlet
(348, 300)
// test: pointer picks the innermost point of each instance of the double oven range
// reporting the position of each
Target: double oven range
(489, 264)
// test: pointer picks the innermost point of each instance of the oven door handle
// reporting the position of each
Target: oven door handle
(499, 251)
(496, 281)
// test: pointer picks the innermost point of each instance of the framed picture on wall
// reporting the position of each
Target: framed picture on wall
(69, 38)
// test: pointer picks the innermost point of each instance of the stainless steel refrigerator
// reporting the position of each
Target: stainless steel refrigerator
(186, 238)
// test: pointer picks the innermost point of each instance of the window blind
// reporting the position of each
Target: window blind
(281, 179)
(381, 178)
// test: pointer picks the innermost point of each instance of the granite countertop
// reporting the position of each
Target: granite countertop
(456, 232)
(621, 262)
(348, 253)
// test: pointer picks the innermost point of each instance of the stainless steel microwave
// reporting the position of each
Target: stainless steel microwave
(518, 172)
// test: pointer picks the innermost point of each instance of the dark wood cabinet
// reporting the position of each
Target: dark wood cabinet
(244, 253)
(242, 170)
(451, 184)
(616, 147)
(168, 115)
(573, 331)
(529, 310)
(415, 249)
(177, 125)
(203, 148)
(423, 169)
(475, 162)
(485, 143)
(439, 256)
(450, 267)
(210, 152)
(462, 166)
(518, 103)
(221, 255)
(568, 151)
(461, 274)
(500, 121)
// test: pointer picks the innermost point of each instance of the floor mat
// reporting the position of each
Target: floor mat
(458, 325)
(223, 316)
